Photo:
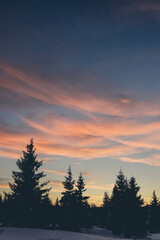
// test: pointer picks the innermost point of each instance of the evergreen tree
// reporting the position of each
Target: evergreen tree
(68, 203)
(68, 198)
(118, 204)
(134, 198)
(135, 217)
(58, 214)
(154, 213)
(106, 201)
(26, 191)
(8, 209)
(154, 201)
(80, 199)
(47, 212)
(105, 211)
(81, 204)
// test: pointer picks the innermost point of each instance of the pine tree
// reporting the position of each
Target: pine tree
(135, 217)
(154, 213)
(68, 197)
(68, 202)
(8, 208)
(118, 204)
(154, 201)
(106, 201)
(80, 199)
(134, 198)
(127, 215)
(26, 191)
(105, 211)
(81, 206)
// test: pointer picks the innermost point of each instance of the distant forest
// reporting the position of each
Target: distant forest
(28, 203)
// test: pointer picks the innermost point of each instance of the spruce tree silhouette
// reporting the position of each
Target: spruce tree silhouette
(134, 189)
(81, 203)
(106, 201)
(8, 210)
(118, 204)
(154, 201)
(80, 199)
(105, 211)
(128, 217)
(154, 214)
(68, 198)
(135, 218)
(68, 203)
(26, 191)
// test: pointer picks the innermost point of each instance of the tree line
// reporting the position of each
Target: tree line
(28, 203)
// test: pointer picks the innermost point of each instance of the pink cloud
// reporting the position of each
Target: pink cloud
(54, 172)
(84, 138)
(57, 183)
(66, 95)
(152, 161)
(4, 186)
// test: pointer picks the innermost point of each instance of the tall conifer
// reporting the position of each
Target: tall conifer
(154, 214)
(26, 191)
(68, 196)
(80, 199)
(118, 204)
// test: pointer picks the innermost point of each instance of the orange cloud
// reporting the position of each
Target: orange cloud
(93, 136)
(63, 143)
(86, 152)
(90, 130)
(4, 186)
(57, 183)
(8, 154)
(152, 161)
(68, 96)
(54, 172)
(87, 174)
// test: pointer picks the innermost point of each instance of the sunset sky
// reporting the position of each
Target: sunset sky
(82, 77)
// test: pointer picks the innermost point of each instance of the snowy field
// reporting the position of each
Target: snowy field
(38, 234)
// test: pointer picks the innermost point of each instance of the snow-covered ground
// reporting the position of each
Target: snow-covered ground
(39, 234)
(155, 236)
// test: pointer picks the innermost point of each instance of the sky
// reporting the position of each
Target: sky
(82, 78)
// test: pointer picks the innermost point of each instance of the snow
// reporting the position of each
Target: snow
(39, 234)
(155, 236)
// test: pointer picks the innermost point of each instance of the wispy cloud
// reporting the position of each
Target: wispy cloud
(4, 186)
(154, 160)
(86, 174)
(106, 126)
(66, 95)
(54, 172)
(57, 183)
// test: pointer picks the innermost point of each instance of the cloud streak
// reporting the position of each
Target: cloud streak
(68, 96)
(54, 172)
(99, 126)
